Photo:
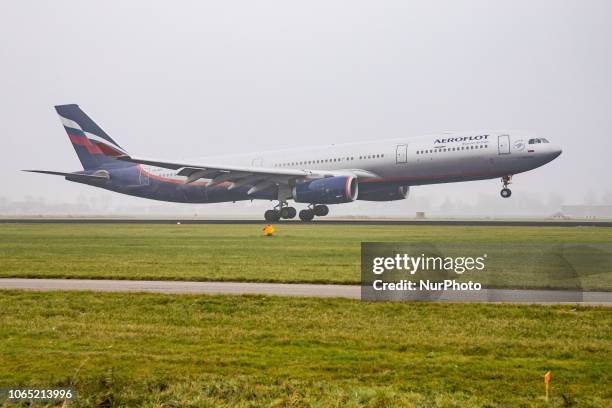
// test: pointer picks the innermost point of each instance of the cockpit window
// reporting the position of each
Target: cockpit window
(537, 140)
(544, 140)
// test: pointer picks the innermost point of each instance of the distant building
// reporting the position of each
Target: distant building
(587, 211)
(559, 215)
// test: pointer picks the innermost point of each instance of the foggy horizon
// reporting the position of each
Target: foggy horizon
(203, 79)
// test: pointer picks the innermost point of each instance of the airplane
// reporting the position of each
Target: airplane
(379, 170)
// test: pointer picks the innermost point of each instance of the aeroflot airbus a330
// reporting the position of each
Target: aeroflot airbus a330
(380, 170)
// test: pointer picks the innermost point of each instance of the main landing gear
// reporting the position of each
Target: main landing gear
(309, 213)
(506, 192)
(282, 210)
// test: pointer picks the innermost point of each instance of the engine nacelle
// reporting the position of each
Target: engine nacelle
(382, 193)
(330, 190)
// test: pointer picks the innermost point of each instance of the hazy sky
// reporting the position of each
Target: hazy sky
(186, 79)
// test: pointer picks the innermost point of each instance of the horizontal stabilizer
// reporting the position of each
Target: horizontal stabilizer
(73, 176)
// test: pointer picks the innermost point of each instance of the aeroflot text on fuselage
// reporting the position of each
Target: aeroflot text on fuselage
(315, 177)
(462, 139)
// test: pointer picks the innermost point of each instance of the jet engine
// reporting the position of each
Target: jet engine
(330, 190)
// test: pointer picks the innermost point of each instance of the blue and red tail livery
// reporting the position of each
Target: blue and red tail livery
(94, 147)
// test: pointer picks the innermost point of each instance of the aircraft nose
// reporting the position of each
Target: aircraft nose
(553, 152)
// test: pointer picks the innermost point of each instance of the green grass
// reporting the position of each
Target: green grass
(297, 253)
(180, 350)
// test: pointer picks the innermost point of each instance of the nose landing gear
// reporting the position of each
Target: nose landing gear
(506, 192)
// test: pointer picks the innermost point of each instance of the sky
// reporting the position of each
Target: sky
(196, 78)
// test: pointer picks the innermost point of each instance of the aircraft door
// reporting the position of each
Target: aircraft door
(503, 144)
(401, 154)
(257, 162)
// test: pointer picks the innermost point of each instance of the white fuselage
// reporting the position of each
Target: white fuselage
(442, 158)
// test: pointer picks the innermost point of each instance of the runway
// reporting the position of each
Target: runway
(302, 290)
(317, 222)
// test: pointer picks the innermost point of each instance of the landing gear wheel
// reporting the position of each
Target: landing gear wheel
(288, 212)
(321, 210)
(306, 215)
(506, 180)
(272, 215)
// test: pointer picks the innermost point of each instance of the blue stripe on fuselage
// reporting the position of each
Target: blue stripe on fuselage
(131, 181)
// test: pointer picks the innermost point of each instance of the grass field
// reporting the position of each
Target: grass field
(297, 253)
(180, 350)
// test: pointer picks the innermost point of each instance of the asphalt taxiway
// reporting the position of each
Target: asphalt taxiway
(305, 290)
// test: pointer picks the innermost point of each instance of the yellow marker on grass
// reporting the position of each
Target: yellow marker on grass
(268, 230)
(546, 382)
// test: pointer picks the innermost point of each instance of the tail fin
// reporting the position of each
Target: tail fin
(94, 147)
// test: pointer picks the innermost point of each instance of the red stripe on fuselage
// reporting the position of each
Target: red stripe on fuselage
(170, 180)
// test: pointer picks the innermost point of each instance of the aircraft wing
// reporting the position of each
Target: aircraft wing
(258, 177)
